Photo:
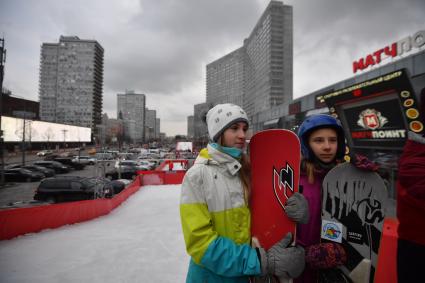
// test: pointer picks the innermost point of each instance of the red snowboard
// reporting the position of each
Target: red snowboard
(275, 166)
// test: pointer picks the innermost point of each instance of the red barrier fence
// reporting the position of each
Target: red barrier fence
(20, 221)
(386, 269)
(161, 177)
(173, 164)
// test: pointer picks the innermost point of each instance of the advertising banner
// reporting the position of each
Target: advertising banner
(378, 113)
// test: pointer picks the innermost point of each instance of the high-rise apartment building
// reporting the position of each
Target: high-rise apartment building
(268, 61)
(131, 109)
(190, 127)
(150, 128)
(71, 82)
(157, 127)
(225, 79)
(200, 129)
(258, 75)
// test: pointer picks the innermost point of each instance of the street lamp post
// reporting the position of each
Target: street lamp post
(2, 61)
(64, 136)
(23, 140)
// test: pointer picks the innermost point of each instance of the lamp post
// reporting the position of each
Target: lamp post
(2, 61)
(64, 138)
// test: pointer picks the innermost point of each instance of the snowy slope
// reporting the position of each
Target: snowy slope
(140, 241)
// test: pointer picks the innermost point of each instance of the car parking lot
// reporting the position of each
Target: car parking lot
(24, 192)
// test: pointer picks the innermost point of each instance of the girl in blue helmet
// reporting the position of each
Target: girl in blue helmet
(215, 214)
(322, 147)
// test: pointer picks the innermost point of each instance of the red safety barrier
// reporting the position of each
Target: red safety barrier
(19, 221)
(386, 269)
(174, 177)
(161, 177)
(170, 164)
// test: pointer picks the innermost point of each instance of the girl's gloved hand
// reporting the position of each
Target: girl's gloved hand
(282, 260)
(296, 207)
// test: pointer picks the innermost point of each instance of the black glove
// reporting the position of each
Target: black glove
(281, 260)
(296, 207)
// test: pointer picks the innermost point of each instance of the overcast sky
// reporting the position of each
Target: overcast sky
(161, 47)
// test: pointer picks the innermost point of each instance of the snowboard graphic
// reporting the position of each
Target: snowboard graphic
(275, 164)
(353, 212)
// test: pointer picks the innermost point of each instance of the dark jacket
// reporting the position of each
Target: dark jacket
(411, 190)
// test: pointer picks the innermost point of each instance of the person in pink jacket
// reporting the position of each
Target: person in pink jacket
(322, 147)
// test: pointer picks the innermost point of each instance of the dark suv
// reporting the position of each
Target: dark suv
(57, 166)
(73, 188)
(69, 162)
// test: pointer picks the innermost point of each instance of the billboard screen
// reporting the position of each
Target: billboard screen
(40, 131)
(375, 123)
(378, 113)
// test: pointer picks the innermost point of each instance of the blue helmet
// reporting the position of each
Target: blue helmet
(317, 122)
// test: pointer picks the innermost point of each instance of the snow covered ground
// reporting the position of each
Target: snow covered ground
(140, 241)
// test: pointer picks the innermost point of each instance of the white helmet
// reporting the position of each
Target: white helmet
(221, 117)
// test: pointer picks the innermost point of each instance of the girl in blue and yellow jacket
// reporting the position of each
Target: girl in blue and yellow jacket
(214, 210)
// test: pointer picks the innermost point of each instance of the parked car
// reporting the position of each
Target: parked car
(149, 163)
(131, 163)
(129, 173)
(44, 153)
(46, 171)
(74, 188)
(25, 203)
(69, 162)
(57, 166)
(86, 160)
(22, 175)
(104, 156)
(119, 185)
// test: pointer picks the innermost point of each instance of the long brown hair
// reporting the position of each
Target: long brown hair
(245, 176)
(309, 168)
(244, 173)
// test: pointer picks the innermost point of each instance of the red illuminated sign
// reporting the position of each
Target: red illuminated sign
(390, 51)
(294, 108)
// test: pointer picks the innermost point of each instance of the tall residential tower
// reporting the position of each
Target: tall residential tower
(268, 60)
(257, 75)
(71, 82)
(131, 108)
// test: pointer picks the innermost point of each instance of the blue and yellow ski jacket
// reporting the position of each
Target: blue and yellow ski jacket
(216, 221)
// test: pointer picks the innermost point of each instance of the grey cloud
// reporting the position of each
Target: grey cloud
(161, 47)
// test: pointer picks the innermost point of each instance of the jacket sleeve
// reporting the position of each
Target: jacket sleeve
(412, 167)
(219, 254)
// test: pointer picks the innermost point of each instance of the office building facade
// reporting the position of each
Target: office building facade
(150, 127)
(157, 127)
(268, 62)
(71, 82)
(190, 127)
(258, 75)
(131, 109)
(225, 79)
